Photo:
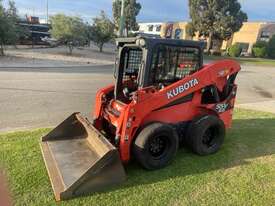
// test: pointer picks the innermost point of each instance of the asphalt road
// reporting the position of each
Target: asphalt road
(43, 97)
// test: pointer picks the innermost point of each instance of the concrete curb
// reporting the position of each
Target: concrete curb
(264, 106)
(52, 67)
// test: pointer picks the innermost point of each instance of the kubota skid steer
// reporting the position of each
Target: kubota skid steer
(163, 96)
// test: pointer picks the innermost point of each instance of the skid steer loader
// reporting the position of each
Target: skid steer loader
(163, 97)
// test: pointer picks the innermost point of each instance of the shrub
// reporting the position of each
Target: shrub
(260, 44)
(235, 50)
(259, 52)
(271, 48)
(260, 49)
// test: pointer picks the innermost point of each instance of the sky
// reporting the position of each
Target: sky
(152, 10)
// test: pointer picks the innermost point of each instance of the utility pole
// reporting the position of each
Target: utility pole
(47, 20)
(122, 19)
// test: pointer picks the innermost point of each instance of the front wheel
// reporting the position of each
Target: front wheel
(155, 146)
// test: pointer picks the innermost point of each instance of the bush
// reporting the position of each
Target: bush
(260, 49)
(235, 50)
(271, 48)
(259, 52)
(260, 44)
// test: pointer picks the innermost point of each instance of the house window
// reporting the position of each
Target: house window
(178, 33)
(158, 28)
(169, 31)
(150, 27)
(265, 35)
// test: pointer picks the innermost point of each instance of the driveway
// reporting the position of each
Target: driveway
(257, 88)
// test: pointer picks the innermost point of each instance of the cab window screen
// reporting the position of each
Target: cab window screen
(171, 63)
(132, 61)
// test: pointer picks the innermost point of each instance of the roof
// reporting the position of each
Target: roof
(154, 41)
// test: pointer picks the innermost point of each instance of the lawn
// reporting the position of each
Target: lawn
(245, 60)
(241, 173)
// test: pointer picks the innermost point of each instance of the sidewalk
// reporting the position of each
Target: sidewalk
(265, 106)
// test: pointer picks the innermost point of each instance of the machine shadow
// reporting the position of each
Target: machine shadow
(248, 139)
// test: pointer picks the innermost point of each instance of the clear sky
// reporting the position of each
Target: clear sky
(152, 10)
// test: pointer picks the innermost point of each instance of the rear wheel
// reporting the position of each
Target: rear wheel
(206, 134)
(155, 146)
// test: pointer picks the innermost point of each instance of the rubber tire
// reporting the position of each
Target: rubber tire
(196, 131)
(141, 146)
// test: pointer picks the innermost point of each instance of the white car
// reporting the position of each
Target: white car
(50, 41)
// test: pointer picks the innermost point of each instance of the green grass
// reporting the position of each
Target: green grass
(246, 60)
(241, 173)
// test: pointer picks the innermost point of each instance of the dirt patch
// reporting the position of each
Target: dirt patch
(263, 92)
(58, 56)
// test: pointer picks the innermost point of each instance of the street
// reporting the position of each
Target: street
(43, 97)
(32, 98)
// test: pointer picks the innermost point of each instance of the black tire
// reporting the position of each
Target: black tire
(155, 146)
(206, 134)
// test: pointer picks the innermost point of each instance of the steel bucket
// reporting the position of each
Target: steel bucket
(79, 159)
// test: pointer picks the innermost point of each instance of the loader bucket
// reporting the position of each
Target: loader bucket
(79, 159)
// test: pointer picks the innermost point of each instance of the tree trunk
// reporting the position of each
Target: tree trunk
(127, 31)
(2, 50)
(209, 42)
(101, 47)
(70, 49)
(217, 46)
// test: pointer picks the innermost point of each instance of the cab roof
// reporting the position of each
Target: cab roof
(151, 42)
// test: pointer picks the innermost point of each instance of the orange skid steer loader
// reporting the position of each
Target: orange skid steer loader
(163, 97)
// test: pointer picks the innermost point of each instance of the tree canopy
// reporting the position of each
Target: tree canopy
(102, 30)
(69, 30)
(217, 19)
(131, 10)
(9, 30)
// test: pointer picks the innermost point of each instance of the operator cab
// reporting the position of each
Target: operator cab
(144, 62)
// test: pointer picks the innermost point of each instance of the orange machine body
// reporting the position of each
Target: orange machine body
(178, 102)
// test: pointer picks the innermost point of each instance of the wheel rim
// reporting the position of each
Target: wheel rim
(158, 146)
(210, 137)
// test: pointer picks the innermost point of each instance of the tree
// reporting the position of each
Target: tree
(18, 32)
(216, 19)
(131, 10)
(102, 30)
(68, 30)
(2, 28)
(12, 11)
(190, 30)
(271, 48)
(9, 30)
